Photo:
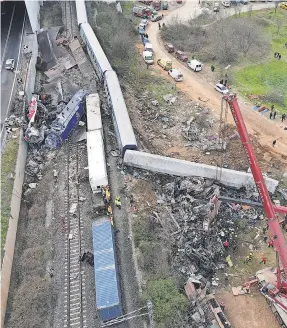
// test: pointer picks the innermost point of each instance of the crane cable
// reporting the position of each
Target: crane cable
(221, 137)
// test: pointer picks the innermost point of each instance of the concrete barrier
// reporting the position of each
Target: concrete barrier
(17, 188)
(13, 224)
(31, 40)
(172, 166)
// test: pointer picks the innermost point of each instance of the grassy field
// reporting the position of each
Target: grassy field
(8, 163)
(269, 78)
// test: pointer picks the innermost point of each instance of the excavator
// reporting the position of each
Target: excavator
(272, 281)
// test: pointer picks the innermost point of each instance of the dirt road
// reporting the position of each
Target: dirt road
(196, 87)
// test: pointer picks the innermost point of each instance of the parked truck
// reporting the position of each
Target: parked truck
(140, 11)
(156, 5)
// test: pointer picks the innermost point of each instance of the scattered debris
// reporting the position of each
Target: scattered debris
(170, 99)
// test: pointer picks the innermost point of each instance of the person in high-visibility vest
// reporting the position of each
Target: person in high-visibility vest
(109, 210)
(118, 202)
(107, 196)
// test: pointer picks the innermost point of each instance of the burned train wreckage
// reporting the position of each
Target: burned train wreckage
(67, 119)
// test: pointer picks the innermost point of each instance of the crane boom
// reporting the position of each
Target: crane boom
(274, 226)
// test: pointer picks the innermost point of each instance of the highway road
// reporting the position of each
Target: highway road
(12, 25)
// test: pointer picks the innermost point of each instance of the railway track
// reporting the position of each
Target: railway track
(69, 17)
(74, 285)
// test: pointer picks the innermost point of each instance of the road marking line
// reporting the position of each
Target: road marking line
(8, 35)
(13, 85)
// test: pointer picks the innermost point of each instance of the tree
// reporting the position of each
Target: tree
(166, 299)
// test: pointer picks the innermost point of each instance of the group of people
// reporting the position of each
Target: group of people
(277, 55)
(107, 200)
(159, 26)
(273, 114)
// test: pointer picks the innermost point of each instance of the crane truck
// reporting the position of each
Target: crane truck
(272, 281)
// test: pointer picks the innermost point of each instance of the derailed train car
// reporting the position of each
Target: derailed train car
(108, 296)
(123, 127)
(106, 75)
(95, 144)
(67, 120)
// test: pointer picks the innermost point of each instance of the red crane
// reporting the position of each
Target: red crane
(274, 226)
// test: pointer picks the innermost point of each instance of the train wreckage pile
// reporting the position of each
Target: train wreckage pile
(197, 225)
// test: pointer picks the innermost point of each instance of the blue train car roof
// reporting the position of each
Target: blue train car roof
(69, 111)
(107, 287)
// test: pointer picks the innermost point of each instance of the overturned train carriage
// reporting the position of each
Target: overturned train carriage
(95, 144)
(67, 120)
(123, 127)
(108, 296)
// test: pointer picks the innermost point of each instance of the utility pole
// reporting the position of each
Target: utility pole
(150, 313)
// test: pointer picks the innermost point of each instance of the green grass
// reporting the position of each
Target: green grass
(270, 76)
(160, 88)
(8, 163)
(264, 79)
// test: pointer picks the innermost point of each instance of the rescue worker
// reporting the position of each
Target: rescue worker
(118, 202)
(159, 26)
(271, 243)
(107, 196)
(226, 244)
(212, 68)
(274, 143)
(109, 210)
(222, 305)
(103, 192)
(248, 258)
(263, 259)
(163, 25)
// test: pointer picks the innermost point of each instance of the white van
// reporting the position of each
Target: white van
(148, 57)
(195, 65)
(148, 47)
(176, 74)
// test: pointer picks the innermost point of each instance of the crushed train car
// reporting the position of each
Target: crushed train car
(67, 120)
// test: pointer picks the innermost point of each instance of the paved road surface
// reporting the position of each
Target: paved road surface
(10, 46)
(195, 86)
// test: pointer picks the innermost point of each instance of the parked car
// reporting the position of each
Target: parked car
(235, 2)
(148, 47)
(181, 56)
(156, 18)
(169, 47)
(148, 57)
(10, 64)
(216, 7)
(244, 2)
(144, 22)
(176, 74)
(225, 4)
(221, 88)
(164, 5)
(195, 65)
(166, 64)
(283, 5)
(179, 1)
(141, 30)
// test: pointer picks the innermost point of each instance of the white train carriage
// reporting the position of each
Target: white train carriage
(121, 119)
(81, 12)
(95, 50)
(98, 176)
(94, 119)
